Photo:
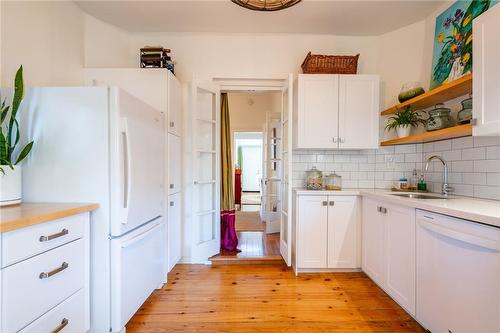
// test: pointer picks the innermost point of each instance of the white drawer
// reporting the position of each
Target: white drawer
(26, 242)
(27, 294)
(67, 317)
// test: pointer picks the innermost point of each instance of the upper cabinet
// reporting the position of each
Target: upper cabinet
(336, 111)
(486, 73)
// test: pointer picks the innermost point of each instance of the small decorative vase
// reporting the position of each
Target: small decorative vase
(403, 131)
(10, 185)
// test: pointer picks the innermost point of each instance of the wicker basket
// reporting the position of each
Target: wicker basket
(330, 64)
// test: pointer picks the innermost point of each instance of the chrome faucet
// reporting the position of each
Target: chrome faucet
(446, 189)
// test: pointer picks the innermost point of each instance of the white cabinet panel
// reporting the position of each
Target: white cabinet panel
(358, 111)
(400, 255)
(317, 119)
(486, 73)
(174, 164)
(343, 224)
(373, 241)
(174, 105)
(174, 230)
(312, 219)
(34, 286)
(69, 316)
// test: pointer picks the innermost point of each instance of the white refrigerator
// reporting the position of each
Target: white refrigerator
(100, 144)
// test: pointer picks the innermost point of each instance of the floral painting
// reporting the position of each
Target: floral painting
(452, 56)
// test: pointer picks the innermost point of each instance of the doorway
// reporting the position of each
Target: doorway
(247, 155)
(252, 115)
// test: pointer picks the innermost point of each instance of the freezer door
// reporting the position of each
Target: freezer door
(137, 163)
(137, 268)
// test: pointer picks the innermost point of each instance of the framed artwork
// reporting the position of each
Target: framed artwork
(452, 56)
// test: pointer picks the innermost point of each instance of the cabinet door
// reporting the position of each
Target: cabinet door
(174, 230)
(373, 241)
(359, 111)
(312, 221)
(317, 118)
(174, 164)
(486, 73)
(343, 227)
(400, 255)
(174, 105)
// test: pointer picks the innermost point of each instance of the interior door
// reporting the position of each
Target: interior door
(286, 171)
(140, 146)
(204, 105)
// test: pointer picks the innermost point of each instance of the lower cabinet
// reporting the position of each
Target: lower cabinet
(327, 232)
(388, 241)
(174, 230)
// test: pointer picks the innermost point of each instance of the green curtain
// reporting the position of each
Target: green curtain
(227, 198)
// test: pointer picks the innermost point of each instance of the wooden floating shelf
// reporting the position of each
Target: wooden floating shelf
(441, 94)
(443, 134)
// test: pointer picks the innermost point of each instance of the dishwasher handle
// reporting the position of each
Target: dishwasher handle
(459, 235)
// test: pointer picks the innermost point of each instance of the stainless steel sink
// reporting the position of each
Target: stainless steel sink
(420, 196)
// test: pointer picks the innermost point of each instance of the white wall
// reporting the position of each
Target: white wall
(46, 38)
(248, 110)
(54, 40)
(252, 55)
(105, 44)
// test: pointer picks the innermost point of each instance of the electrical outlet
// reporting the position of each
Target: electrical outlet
(390, 162)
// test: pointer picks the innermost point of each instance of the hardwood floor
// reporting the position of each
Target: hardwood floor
(256, 247)
(268, 299)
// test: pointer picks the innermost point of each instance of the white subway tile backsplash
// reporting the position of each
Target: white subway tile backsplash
(474, 178)
(461, 143)
(474, 153)
(474, 165)
(493, 152)
(442, 145)
(487, 166)
(480, 141)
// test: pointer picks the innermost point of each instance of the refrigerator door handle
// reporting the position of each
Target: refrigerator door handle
(126, 168)
(140, 236)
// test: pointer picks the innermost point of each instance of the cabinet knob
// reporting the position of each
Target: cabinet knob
(332, 203)
(172, 124)
(171, 204)
(62, 325)
(334, 140)
(325, 203)
(342, 140)
(171, 185)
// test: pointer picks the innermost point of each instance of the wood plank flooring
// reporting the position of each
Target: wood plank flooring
(268, 299)
(256, 247)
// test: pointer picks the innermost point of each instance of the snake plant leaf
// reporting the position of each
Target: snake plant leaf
(26, 150)
(5, 112)
(16, 102)
(4, 149)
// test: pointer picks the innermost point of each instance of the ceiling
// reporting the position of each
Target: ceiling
(353, 18)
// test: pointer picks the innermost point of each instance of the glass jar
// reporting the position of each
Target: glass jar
(333, 182)
(439, 118)
(314, 179)
(464, 116)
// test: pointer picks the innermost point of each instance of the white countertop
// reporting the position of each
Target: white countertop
(473, 209)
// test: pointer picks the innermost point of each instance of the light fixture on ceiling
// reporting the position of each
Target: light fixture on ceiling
(266, 5)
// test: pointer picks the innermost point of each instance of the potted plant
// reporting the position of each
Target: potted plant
(10, 157)
(403, 121)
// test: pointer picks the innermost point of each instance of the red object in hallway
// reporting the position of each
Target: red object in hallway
(237, 186)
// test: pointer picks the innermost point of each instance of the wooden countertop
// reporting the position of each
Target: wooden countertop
(27, 214)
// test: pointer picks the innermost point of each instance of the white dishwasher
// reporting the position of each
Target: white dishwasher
(458, 275)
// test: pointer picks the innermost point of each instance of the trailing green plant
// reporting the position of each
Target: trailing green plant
(9, 127)
(404, 118)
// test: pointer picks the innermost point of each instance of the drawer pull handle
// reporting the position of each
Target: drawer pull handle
(63, 232)
(44, 275)
(62, 325)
